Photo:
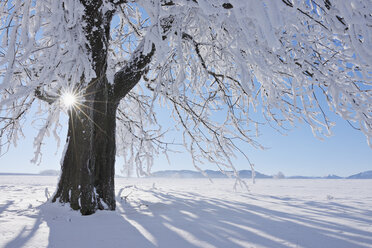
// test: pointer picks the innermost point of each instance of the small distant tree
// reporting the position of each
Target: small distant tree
(279, 175)
(108, 64)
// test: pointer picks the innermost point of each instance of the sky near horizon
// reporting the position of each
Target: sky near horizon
(296, 153)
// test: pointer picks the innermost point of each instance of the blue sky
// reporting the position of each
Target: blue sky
(297, 153)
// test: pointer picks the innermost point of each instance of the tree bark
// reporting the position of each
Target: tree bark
(88, 167)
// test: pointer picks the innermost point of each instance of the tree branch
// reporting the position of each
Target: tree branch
(118, 2)
(131, 73)
(44, 96)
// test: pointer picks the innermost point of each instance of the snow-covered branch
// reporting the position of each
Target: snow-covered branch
(130, 75)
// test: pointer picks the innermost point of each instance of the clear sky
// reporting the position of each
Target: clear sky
(297, 153)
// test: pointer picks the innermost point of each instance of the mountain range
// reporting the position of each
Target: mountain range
(248, 174)
(362, 175)
(211, 174)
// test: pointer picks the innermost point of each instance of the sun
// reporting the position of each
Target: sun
(69, 99)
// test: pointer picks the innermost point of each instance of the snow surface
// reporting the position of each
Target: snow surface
(192, 213)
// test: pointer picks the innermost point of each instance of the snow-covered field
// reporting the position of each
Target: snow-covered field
(192, 213)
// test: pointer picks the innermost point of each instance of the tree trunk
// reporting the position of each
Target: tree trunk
(88, 167)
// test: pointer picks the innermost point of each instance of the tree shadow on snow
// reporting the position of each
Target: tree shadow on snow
(5, 206)
(191, 220)
(103, 229)
(182, 219)
(67, 228)
(24, 235)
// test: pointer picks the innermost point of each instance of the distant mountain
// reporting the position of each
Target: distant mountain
(332, 177)
(210, 173)
(362, 175)
(177, 174)
(16, 174)
(314, 177)
(303, 177)
(217, 174)
(248, 174)
(49, 173)
(41, 173)
(242, 174)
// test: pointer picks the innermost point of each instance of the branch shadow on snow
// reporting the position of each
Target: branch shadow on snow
(156, 218)
(5, 206)
(25, 235)
(191, 220)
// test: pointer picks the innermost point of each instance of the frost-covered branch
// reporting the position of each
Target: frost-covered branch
(130, 75)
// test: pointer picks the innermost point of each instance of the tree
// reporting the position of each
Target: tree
(279, 175)
(109, 63)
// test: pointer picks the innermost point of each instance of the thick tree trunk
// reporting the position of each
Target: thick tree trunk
(88, 167)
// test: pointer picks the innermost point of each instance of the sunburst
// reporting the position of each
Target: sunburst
(74, 101)
(69, 99)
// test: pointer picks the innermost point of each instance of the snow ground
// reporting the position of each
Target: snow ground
(192, 213)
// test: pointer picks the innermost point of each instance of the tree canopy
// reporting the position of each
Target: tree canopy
(289, 60)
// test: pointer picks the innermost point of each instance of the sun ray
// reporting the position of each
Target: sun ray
(68, 99)
(88, 117)
(80, 105)
(74, 101)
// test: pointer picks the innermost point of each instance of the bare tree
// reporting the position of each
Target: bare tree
(109, 63)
